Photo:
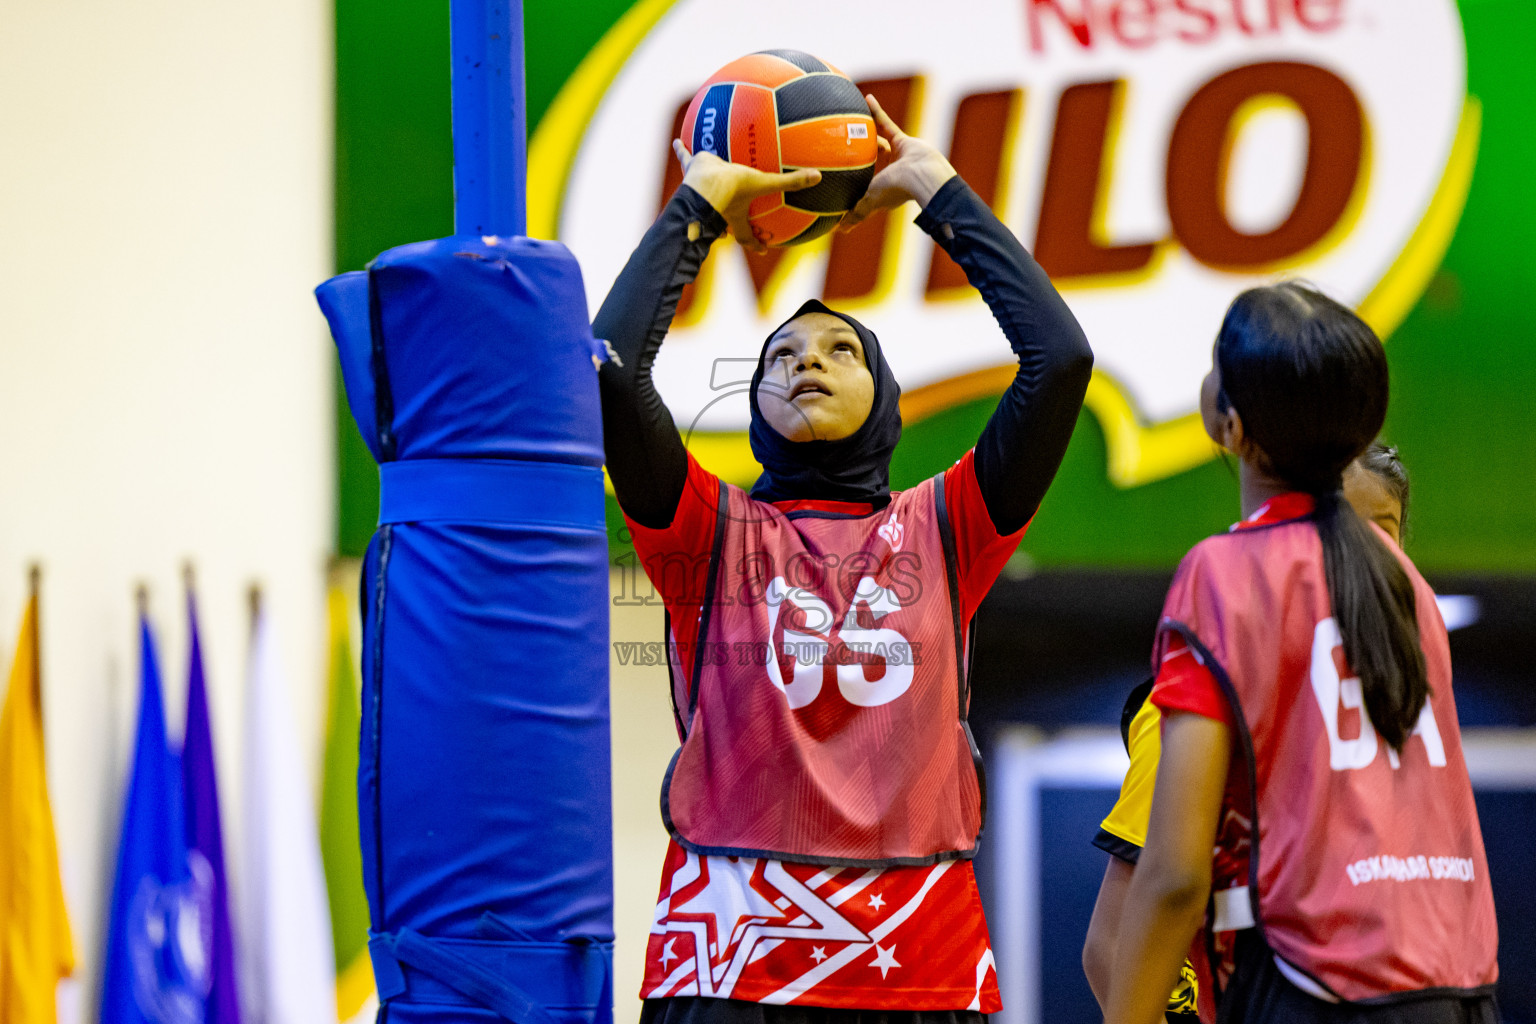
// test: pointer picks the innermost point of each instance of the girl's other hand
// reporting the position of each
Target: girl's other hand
(730, 188)
(916, 171)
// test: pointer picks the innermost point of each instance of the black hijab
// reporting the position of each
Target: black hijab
(857, 468)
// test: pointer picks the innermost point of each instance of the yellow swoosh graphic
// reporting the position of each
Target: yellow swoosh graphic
(1139, 452)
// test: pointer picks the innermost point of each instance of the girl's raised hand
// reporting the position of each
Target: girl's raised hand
(730, 188)
(915, 172)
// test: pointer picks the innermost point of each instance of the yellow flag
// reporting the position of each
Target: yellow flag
(339, 845)
(35, 945)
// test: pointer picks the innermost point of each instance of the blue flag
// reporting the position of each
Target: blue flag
(156, 960)
(205, 843)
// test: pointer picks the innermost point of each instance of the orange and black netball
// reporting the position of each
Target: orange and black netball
(783, 110)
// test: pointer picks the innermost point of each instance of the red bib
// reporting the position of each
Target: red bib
(1364, 869)
(825, 716)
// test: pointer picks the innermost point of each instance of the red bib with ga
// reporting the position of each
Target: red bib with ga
(825, 713)
(1362, 867)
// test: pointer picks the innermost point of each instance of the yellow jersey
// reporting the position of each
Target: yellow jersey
(1124, 832)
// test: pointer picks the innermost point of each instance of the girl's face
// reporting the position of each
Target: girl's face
(816, 385)
(1372, 500)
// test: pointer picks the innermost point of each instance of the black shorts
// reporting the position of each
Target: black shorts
(1258, 992)
(699, 1010)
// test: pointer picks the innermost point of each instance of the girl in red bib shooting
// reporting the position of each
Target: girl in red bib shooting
(825, 802)
(1309, 729)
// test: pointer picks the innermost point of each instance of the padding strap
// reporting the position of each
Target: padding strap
(500, 491)
(520, 981)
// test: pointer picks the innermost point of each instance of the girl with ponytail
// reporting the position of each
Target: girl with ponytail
(1309, 732)
(1312, 379)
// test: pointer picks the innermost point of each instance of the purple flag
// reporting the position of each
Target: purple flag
(205, 847)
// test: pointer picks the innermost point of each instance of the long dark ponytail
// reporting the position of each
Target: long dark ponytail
(1309, 379)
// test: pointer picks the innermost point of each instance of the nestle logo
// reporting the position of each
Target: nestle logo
(1144, 23)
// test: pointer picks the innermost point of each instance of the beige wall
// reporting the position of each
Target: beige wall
(164, 374)
(644, 738)
(164, 395)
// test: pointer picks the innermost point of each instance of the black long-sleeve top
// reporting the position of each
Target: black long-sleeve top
(1022, 444)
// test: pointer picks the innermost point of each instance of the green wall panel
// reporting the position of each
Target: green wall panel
(1463, 364)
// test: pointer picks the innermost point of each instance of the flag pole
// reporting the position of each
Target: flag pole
(34, 597)
(490, 129)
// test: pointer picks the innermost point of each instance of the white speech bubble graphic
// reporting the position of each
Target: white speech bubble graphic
(596, 168)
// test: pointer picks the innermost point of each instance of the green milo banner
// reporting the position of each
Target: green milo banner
(1157, 156)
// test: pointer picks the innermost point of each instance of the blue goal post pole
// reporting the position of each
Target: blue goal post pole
(490, 124)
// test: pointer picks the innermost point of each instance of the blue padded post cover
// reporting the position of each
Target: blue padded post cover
(483, 787)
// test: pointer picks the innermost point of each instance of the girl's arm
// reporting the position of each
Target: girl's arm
(1172, 881)
(646, 459)
(1023, 443)
(1104, 926)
